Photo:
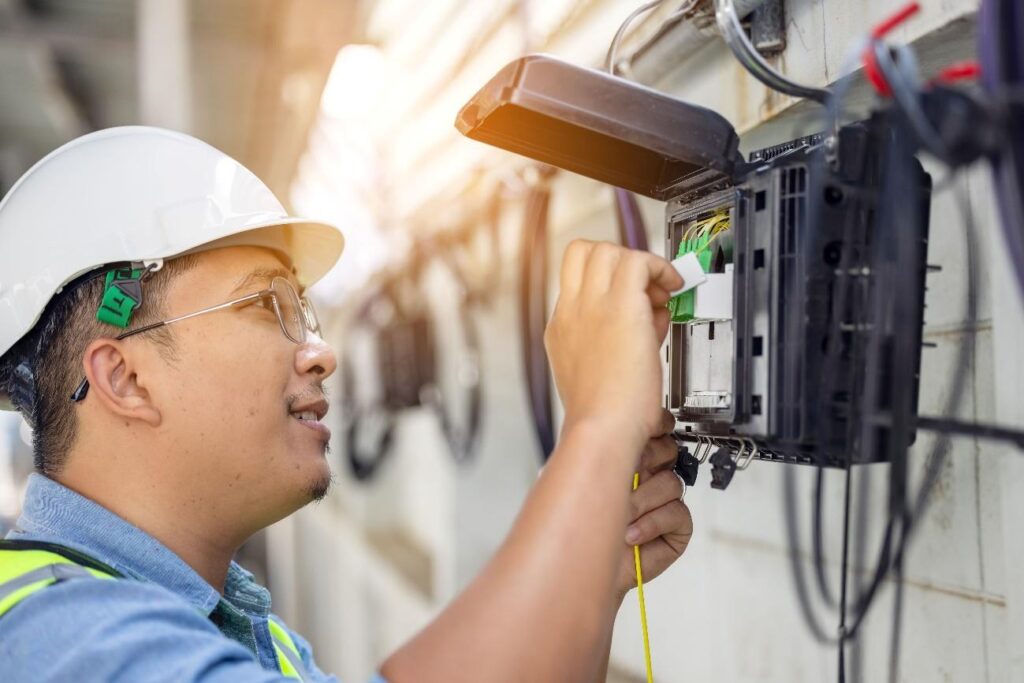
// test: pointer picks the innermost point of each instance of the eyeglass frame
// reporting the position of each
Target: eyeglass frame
(310, 321)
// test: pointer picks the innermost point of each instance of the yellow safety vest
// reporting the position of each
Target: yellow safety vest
(30, 566)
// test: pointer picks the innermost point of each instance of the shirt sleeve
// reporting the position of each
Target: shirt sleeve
(119, 631)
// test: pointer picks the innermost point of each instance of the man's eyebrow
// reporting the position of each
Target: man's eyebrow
(262, 276)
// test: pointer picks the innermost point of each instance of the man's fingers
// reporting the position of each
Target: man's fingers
(662, 320)
(661, 451)
(663, 487)
(602, 263)
(671, 520)
(596, 265)
(668, 422)
(659, 297)
(659, 454)
(658, 555)
(644, 270)
(573, 265)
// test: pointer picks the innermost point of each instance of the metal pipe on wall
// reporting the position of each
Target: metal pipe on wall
(676, 41)
(164, 67)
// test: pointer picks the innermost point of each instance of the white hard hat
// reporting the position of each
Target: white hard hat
(137, 193)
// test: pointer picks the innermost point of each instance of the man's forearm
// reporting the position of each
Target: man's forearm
(602, 672)
(542, 609)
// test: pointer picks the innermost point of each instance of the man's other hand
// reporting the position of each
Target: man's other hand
(660, 522)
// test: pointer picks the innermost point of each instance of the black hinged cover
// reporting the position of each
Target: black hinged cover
(601, 126)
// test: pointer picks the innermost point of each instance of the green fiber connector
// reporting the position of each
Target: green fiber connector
(681, 307)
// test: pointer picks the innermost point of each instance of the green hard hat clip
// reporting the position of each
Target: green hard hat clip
(122, 294)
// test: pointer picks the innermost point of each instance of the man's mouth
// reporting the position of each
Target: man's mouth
(314, 410)
(311, 415)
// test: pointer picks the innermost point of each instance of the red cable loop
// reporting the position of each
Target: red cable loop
(871, 71)
(874, 75)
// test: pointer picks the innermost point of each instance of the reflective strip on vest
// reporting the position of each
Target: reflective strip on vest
(23, 572)
(288, 658)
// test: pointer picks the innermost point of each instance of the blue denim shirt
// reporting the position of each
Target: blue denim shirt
(169, 625)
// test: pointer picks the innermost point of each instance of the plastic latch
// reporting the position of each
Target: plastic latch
(686, 465)
(722, 468)
(122, 294)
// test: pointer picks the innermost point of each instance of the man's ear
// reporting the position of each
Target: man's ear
(114, 381)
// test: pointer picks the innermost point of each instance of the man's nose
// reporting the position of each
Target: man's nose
(316, 356)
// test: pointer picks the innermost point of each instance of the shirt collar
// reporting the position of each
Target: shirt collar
(56, 514)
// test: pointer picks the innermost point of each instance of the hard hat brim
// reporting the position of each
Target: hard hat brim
(310, 248)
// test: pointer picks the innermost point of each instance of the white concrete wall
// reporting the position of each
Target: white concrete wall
(727, 611)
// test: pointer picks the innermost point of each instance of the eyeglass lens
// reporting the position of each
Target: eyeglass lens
(296, 314)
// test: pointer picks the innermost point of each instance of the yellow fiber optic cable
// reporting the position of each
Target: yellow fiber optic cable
(719, 224)
(640, 594)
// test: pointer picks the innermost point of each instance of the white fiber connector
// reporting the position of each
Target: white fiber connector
(688, 266)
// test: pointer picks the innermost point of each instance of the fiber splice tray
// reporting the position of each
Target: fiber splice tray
(800, 230)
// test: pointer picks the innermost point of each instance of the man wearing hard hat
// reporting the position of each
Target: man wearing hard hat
(155, 336)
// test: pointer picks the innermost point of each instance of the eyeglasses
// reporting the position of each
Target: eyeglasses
(295, 314)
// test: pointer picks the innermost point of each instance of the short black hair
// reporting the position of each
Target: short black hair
(54, 351)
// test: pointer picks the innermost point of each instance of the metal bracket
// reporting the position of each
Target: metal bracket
(751, 59)
(768, 27)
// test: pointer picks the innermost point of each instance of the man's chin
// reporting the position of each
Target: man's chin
(303, 482)
(319, 487)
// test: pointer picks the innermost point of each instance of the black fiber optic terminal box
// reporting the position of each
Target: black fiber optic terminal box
(767, 358)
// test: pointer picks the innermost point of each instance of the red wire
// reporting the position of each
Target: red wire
(886, 25)
(960, 71)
